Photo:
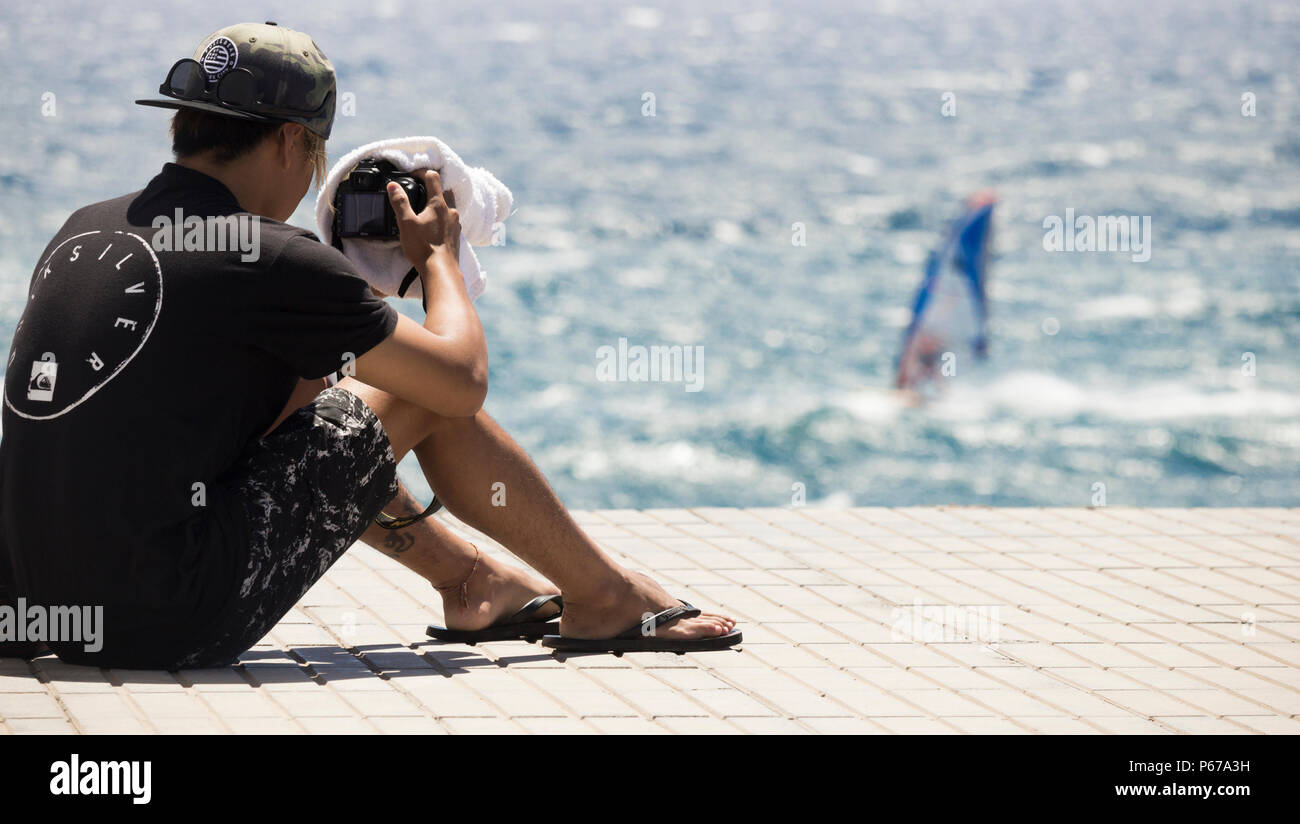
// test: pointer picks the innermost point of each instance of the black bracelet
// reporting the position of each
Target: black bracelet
(387, 521)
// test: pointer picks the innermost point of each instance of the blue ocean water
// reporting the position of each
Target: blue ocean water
(676, 228)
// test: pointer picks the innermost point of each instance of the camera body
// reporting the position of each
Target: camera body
(361, 206)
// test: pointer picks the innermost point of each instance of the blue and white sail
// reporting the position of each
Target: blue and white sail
(950, 312)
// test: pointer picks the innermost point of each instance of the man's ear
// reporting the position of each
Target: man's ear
(290, 145)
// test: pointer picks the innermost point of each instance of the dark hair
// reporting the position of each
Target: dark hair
(228, 138)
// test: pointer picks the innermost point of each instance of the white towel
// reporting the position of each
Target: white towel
(481, 200)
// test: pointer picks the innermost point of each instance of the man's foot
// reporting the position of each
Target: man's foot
(627, 604)
(492, 590)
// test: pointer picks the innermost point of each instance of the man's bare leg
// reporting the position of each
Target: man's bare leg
(443, 558)
(463, 458)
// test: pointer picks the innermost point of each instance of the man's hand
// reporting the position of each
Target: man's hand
(434, 232)
(442, 367)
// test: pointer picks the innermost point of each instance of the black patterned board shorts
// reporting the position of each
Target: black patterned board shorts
(309, 490)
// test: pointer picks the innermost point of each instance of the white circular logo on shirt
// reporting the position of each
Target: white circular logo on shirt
(107, 283)
(219, 57)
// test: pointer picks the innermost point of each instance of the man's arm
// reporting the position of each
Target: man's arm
(443, 365)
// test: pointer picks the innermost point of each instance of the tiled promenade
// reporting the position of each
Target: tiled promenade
(867, 620)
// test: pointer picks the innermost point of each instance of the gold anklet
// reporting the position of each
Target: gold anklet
(464, 585)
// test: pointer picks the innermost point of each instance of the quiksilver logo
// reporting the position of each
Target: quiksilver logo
(77, 777)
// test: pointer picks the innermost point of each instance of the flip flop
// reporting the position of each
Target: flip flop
(523, 624)
(642, 638)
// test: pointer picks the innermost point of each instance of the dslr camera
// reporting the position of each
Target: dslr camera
(361, 206)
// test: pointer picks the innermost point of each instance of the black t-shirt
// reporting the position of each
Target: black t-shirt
(144, 364)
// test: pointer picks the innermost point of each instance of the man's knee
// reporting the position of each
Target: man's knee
(405, 423)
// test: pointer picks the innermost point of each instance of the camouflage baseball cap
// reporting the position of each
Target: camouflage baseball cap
(280, 76)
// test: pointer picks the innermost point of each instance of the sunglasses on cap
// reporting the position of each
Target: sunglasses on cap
(237, 89)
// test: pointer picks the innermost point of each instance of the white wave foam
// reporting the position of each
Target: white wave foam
(873, 405)
(675, 461)
(1042, 395)
(1181, 304)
